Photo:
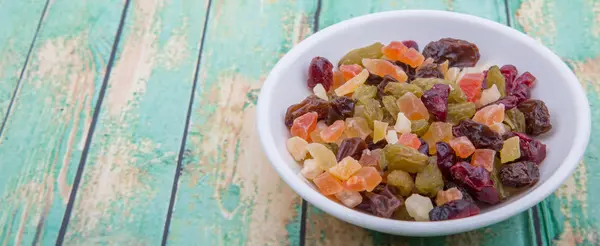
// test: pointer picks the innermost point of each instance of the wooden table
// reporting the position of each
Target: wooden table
(133, 122)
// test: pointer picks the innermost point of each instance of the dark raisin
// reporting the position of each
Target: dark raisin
(320, 71)
(508, 101)
(424, 147)
(465, 192)
(473, 178)
(454, 210)
(436, 101)
(480, 135)
(459, 53)
(445, 157)
(431, 70)
(379, 145)
(510, 74)
(381, 87)
(519, 174)
(537, 117)
(373, 79)
(411, 44)
(351, 147)
(384, 200)
(341, 108)
(526, 79)
(410, 71)
(310, 104)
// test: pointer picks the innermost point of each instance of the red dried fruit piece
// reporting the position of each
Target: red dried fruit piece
(510, 74)
(527, 79)
(304, 125)
(472, 177)
(320, 71)
(436, 101)
(349, 71)
(470, 84)
(531, 149)
(445, 158)
(454, 210)
(411, 44)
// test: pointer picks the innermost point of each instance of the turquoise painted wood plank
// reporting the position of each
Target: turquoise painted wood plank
(228, 193)
(126, 186)
(19, 22)
(323, 229)
(572, 30)
(44, 135)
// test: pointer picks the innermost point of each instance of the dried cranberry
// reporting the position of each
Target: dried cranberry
(311, 103)
(424, 147)
(474, 178)
(373, 79)
(521, 91)
(351, 147)
(454, 210)
(508, 101)
(381, 87)
(384, 201)
(320, 71)
(537, 117)
(436, 101)
(410, 71)
(526, 79)
(531, 149)
(372, 146)
(459, 53)
(487, 194)
(465, 193)
(519, 174)
(484, 84)
(411, 44)
(341, 108)
(431, 70)
(510, 73)
(445, 157)
(480, 135)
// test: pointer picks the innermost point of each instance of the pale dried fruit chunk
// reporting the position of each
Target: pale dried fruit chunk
(327, 184)
(351, 85)
(357, 127)
(447, 196)
(379, 129)
(297, 147)
(346, 168)
(382, 68)
(349, 198)
(412, 107)
(325, 157)
(401, 180)
(488, 96)
(510, 150)
(320, 92)
(310, 169)
(391, 137)
(370, 175)
(462, 146)
(418, 207)
(484, 158)
(403, 124)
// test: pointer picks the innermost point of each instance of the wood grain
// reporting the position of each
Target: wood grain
(228, 192)
(42, 142)
(572, 30)
(126, 185)
(19, 23)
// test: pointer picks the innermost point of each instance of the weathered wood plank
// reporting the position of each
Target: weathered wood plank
(44, 135)
(126, 185)
(323, 229)
(572, 30)
(19, 23)
(228, 193)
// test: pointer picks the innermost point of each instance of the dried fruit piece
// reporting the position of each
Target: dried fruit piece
(320, 71)
(484, 158)
(379, 130)
(460, 111)
(489, 95)
(490, 115)
(510, 150)
(320, 91)
(430, 70)
(465, 193)
(519, 174)
(383, 201)
(537, 117)
(410, 140)
(437, 132)
(527, 79)
(399, 89)
(364, 92)
(333, 132)
(349, 71)
(340, 109)
(327, 184)
(456, 95)
(372, 111)
(470, 84)
(495, 175)
(355, 183)
(462, 146)
(459, 53)
(370, 158)
(391, 137)
(429, 180)
(436, 101)
(345, 168)
(401, 180)
(418, 207)
(495, 77)
(355, 56)
(411, 44)
(382, 68)
(389, 103)
(370, 175)
(480, 135)
(445, 157)
(412, 107)
(411, 57)
(381, 86)
(304, 125)
(349, 198)
(445, 196)
(419, 127)
(515, 119)
(454, 210)
(394, 50)
(310, 169)
(352, 147)
(338, 80)
(475, 178)
(351, 85)
(400, 157)
(510, 73)
(310, 104)
(403, 124)
(297, 147)
(325, 157)
(531, 149)
(357, 127)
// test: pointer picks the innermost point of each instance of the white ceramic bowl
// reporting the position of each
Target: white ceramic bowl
(557, 86)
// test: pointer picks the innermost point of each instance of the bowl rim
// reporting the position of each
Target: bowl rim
(429, 228)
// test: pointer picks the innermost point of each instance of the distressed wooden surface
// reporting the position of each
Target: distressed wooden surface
(227, 193)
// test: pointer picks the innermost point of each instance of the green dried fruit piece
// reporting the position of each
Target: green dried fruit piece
(399, 89)
(355, 56)
(502, 193)
(460, 111)
(495, 77)
(419, 127)
(400, 157)
(389, 103)
(429, 180)
(364, 92)
(515, 119)
(401, 180)
(372, 111)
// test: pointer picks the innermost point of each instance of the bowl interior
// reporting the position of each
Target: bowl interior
(556, 85)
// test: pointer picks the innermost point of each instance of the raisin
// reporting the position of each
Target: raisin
(424, 148)
(351, 147)
(436, 101)
(473, 178)
(411, 44)
(459, 53)
(373, 79)
(445, 157)
(509, 101)
(454, 210)
(430, 70)
(520, 174)
(510, 74)
(487, 194)
(465, 193)
(480, 135)
(381, 87)
(537, 117)
(384, 200)
(371, 146)
(311, 103)
(527, 79)
(320, 71)
(410, 71)
(341, 108)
